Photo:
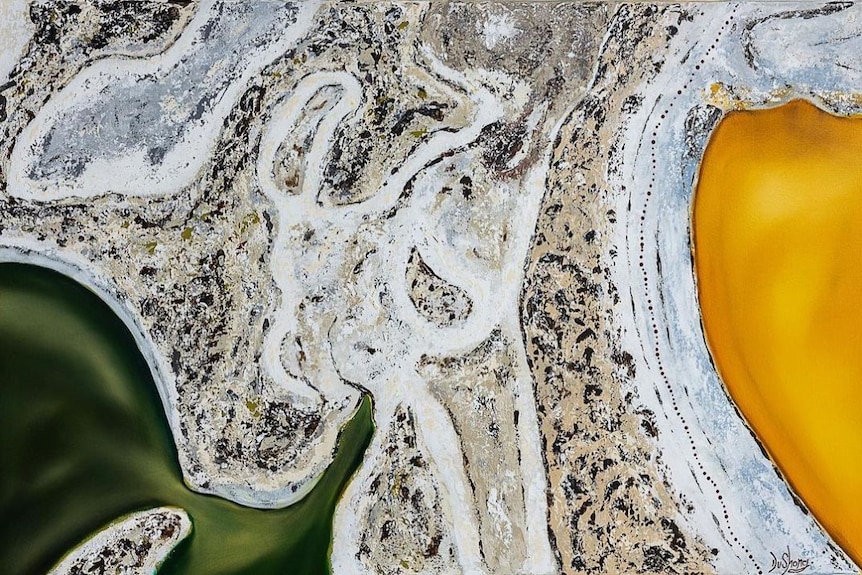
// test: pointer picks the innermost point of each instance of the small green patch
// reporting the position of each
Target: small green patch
(187, 234)
(252, 407)
(249, 220)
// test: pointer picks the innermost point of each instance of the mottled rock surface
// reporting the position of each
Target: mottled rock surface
(475, 212)
(137, 544)
(612, 510)
(406, 518)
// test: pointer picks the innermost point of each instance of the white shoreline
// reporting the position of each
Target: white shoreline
(32, 252)
(762, 513)
(126, 526)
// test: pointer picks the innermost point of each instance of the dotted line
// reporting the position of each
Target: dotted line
(650, 308)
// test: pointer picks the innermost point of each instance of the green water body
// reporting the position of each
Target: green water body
(84, 440)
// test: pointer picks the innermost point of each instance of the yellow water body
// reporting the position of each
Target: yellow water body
(777, 242)
(84, 440)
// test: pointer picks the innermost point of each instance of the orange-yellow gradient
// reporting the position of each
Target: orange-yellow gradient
(777, 231)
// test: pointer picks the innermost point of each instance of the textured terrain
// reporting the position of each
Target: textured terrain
(474, 212)
(138, 543)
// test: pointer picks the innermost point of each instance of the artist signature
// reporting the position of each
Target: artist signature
(787, 564)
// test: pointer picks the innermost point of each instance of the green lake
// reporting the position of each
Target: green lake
(84, 440)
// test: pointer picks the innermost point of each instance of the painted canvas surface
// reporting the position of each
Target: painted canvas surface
(390, 287)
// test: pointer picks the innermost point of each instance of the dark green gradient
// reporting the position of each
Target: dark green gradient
(84, 439)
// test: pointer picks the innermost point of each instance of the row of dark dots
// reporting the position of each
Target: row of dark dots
(654, 324)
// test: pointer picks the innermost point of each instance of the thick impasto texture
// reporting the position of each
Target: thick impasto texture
(474, 216)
